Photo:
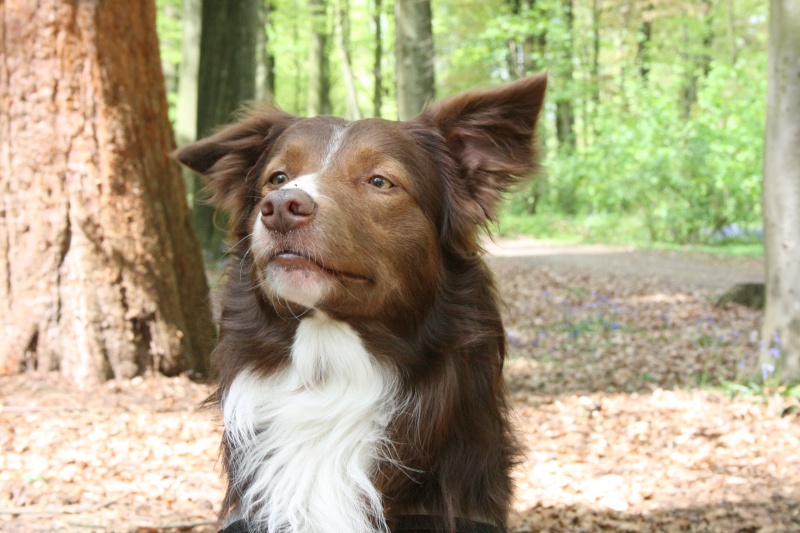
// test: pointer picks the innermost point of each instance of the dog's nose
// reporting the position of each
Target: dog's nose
(285, 210)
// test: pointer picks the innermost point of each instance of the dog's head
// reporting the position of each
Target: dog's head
(345, 217)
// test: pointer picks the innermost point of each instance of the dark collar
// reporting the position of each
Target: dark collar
(405, 524)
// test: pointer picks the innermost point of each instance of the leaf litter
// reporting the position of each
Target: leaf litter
(615, 388)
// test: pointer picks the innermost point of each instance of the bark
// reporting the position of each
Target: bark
(343, 32)
(377, 69)
(318, 79)
(565, 114)
(697, 62)
(515, 50)
(227, 76)
(781, 329)
(265, 59)
(415, 55)
(643, 42)
(101, 274)
(596, 54)
(186, 111)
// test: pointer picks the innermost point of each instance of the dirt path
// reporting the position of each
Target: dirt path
(616, 357)
(682, 270)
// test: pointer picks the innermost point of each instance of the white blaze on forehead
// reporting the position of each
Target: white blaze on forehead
(309, 183)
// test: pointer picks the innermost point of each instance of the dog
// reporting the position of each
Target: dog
(361, 345)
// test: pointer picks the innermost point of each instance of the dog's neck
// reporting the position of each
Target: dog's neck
(312, 433)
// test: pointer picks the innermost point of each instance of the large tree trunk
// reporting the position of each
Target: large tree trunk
(102, 274)
(414, 49)
(227, 76)
(318, 80)
(781, 330)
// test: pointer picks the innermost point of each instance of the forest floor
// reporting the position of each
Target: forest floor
(618, 369)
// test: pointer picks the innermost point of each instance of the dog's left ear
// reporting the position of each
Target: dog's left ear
(490, 133)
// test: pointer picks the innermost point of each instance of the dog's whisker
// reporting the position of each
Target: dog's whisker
(350, 352)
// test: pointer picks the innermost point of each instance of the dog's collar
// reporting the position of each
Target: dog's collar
(405, 524)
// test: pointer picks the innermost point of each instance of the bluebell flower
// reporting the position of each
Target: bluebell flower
(775, 353)
(766, 370)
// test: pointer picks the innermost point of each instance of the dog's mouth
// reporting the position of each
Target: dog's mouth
(297, 260)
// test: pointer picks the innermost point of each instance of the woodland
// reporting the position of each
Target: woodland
(655, 126)
(649, 273)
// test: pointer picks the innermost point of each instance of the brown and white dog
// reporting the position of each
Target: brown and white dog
(361, 346)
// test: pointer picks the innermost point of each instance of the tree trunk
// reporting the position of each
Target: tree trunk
(414, 49)
(643, 42)
(565, 114)
(697, 62)
(318, 79)
(227, 77)
(595, 56)
(186, 109)
(515, 57)
(102, 274)
(781, 329)
(377, 95)
(265, 59)
(343, 31)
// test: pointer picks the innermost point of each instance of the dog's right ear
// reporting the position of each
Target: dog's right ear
(227, 158)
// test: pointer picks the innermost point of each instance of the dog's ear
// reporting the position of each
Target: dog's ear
(228, 158)
(490, 134)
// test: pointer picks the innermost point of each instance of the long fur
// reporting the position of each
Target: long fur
(380, 394)
(311, 434)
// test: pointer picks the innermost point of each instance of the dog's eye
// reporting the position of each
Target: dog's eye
(380, 182)
(278, 179)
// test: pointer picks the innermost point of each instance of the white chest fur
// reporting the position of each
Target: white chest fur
(305, 442)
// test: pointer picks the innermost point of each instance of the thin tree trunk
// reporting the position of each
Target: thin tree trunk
(343, 32)
(596, 53)
(318, 81)
(377, 96)
(265, 59)
(781, 330)
(643, 42)
(565, 114)
(227, 78)
(101, 274)
(415, 56)
(731, 34)
(703, 60)
(516, 64)
(186, 119)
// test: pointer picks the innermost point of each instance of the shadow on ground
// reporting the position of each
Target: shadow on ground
(780, 514)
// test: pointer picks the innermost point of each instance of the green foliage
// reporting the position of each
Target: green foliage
(665, 103)
(681, 179)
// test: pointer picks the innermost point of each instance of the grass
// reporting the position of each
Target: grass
(608, 229)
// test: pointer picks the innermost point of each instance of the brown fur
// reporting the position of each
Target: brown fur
(415, 289)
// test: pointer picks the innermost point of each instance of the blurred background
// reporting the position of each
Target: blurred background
(654, 126)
